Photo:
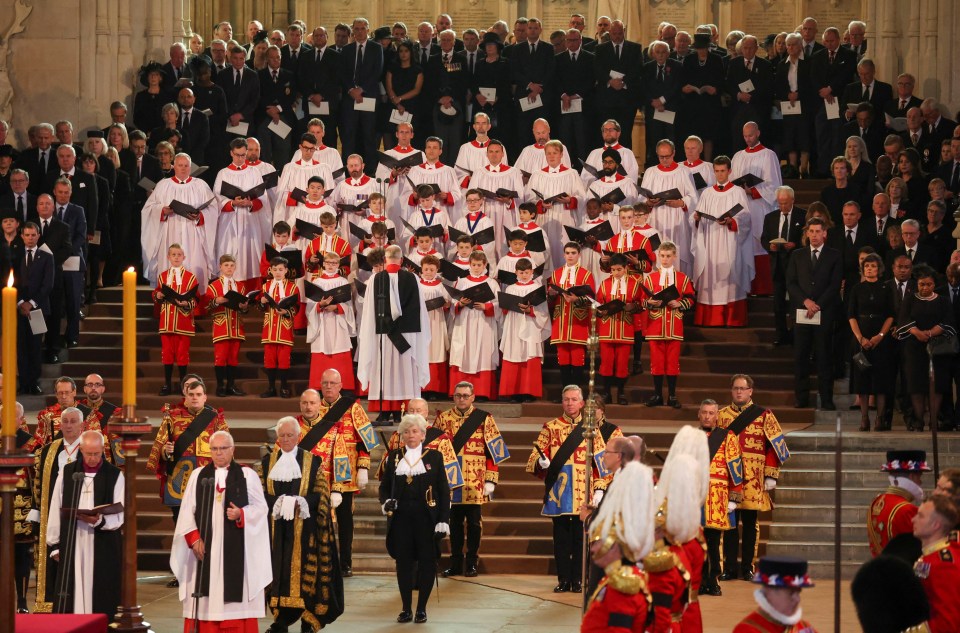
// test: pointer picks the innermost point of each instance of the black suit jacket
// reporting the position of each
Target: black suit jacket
(9, 201)
(893, 106)
(875, 134)
(320, 77)
(781, 85)
(286, 57)
(836, 75)
(537, 67)
(880, 96)
(367, 77)
(10, 255)
(630, 64)
(761, 98)
(57, 239)
(771, 231)
(575, 78)
(84, 194)
(942, 132)
(892, 287)
(851, 265)
(169, 80)
(433, 49)
(36, 282)
(282, 93)
(925, 254)
(29, 161)
(149, 169)
(944, 172)
(817, 46)
(196, 136)
(669, 88)
(821, 284)
(927, 146)
(432, 486)
(242, 98)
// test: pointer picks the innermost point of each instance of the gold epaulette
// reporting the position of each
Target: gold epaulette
(923, 627)
(659, 560)
(627, 580)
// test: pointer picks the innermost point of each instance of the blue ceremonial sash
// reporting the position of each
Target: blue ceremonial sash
(498, 449)
(560, 498)
(119, 458)
(454, 472)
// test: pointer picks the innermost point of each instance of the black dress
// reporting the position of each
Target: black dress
(405, 80)
(924, 314)
(918, 196)
(835, 198)
(147, 107)
(494, 74)
(701, 112)
(871, 304)
(866, 178)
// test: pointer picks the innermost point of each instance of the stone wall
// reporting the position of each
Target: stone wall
(74, 57)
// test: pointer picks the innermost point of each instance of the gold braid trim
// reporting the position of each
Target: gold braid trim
(626, 581)
(659, 561)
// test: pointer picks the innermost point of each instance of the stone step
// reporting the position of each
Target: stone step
(824, 569)
(865, 479)
(823, 551)
(851, 514)
(790, 532)
(800, 460)
(816, 439)
(823, 496)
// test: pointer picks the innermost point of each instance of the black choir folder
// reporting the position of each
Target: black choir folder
(582, 290)
(601, 232)
(481, 293)
(737, 208)
(171, 295)
(512, 302)
(391, 162)
(747, 180)
(663, 196)
(236, 299)
(184, 210)
(294, 258)
(233, 192)
(668, 294)
(479, 238)
(340, 294)
(507, 277)
(535, 241)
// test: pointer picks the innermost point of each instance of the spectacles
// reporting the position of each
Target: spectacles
(462, 395)
(94, 385)
(742, 388)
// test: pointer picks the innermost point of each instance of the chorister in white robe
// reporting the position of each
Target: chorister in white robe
(627, 161)
(404, 375)
(523, 335)
(265, 169)
(605, 185)
(704, 168)
(424, 217)
(439, 334)
(444, 176)
(257, 568)
(503, 215)
(242, 232)
(761, 162)
(398, 190)
(198, 238)
(532, 159)
(530, 228)
(473, 339)
(472, 224)
(673, 223)
(295, 176)
(508, 262)
(590, 255)
(329, 332)
(352, 191)
(83, 559)
(330, 157)
(308, 212)
(471, 158)
(550, 182)
(416, 255)
(723, 266)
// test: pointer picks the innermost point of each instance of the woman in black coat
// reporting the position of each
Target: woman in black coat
(870, 314)
(702, 81)
(492, 71)
(416, 499)
(925, 315)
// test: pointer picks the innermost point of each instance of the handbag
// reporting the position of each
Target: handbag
(943, 345)
(861, 361)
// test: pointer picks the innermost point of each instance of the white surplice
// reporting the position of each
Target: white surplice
(473, 338)
(243, 232)
(266, 169)
(444, 177)
(329, 332)
(627, 160)
(472, 225)
(439, 334)
(352, 191)
(503, 215)
(295, 176)
(397, 191)
(761, 162)
(550, 183)
(523, 335)
(471, 158)
(672, 223)
(533, 158)
(723, 262)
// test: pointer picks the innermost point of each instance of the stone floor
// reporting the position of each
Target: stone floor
(495, 604)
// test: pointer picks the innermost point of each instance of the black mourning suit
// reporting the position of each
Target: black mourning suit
(779, 259)
(422, 502)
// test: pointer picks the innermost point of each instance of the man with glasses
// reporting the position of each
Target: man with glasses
(763, 450)
(48, 419)
(19, 199)
(336, 429)
(297, 174)
(671, 214)
(480, 449)
(94, 407)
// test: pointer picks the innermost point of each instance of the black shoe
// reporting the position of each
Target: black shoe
(22, 610)
(636, 369)
(269, 393)
(73, 343)
(576, 587)
(285, 392)
(405, 616)
(421, 617)
(346, 571)
(655, 401)
(165, 390)
(52, 358)
(395, 416)
(452, 570)
(801, 403)
(233, 391)
(562, 587)
(622, 400)
(747, 575)
(727, 576)
(673, 402)
(431, 396)
(471, 571)
(383, 419)
(173, 583)
(221, 392)
(713, 590)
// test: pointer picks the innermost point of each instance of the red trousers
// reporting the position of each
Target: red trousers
(571, 354)
(226, 353)
(175, 349)
(614, 359)
(342, 362)
(276, 356)
(664, 357)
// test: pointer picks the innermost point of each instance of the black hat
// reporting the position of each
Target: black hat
(7, 151)
(198, 62)
(382, 33)
(769, 40)
(260, 36)
(95, 134)
(491, 38)
(612, 154)
(9, 214)
(905, 547)
(150, 67)
(701, 40)
(782, 571)
(888, 596)
(906, 462)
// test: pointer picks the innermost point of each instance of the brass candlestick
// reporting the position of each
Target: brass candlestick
(589, 437)
(11, 460)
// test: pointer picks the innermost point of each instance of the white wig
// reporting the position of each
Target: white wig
(627, 511)
(693, 442)
(679, 488)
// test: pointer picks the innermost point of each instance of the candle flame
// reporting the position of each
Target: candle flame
(10, 280)
(130, 270)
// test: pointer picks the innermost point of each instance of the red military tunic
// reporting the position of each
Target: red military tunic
(695, 550)
(669, 584)
(664, 323)
(319, 246)
(571, 322)
(621, 603)
(177, 419)
(891, 513)
(227, 323)
(173, 318)
(340, 446)
(277, 327)
(632, 240)
(760, 622)
(617, 328)
(939, 571)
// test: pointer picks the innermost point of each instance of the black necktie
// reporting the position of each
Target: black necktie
(910, 253)
(43, 159)
(293, 54)
(831, 56)
(850, 237)
(470, 62)
(866, 93)
(955, 177)
(808, 51)
(660, 74)
(20, 207)
(446, 58)
(814, 257)
(424, 56)
(359, 55)
(902, 289)
(956, 291)
(236, 79)
(274, 76)
(186, 120)
(784, 225)
(43, 231)
(60, 214)
(30, 263)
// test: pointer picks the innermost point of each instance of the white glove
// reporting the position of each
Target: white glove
(769, 483)
(442, 528)
(288, 508)
(383, 508)
(277, 505)
(597, 496)
(33, 516)
(335, 499)
(731, 506)
(362, 478)
(488, 488)
(544, 463)
(304, 508)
